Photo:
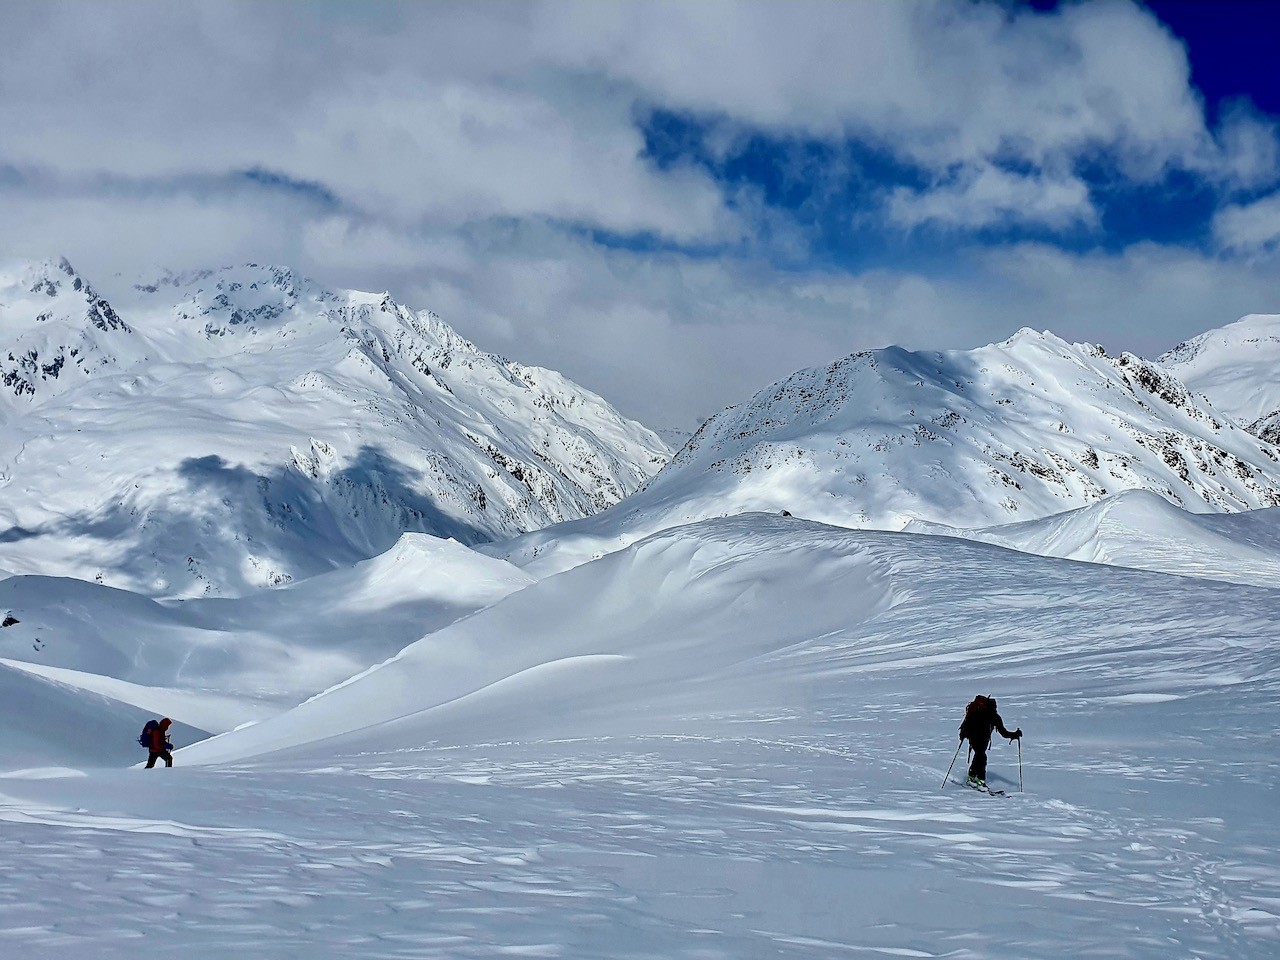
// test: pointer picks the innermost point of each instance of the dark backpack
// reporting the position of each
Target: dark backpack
(145, 738)
(977, 718)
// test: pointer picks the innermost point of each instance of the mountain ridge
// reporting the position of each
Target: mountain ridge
(1016, 430)
(260, 428)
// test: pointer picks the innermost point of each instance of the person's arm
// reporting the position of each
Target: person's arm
(1016, 735)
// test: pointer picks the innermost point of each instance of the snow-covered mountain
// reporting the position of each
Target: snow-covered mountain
(246, 427)
(55, 333)
(1013, 431)
(730, 738)
(1236, 368)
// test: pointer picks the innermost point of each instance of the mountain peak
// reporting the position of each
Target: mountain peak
(1234, 366)
(42, 277)
(282, 428)
(232, 301)
(1024, 334)
(1017, 430)
(58, 329)
(1029, 339)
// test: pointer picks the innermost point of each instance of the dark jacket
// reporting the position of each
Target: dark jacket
(978, 724)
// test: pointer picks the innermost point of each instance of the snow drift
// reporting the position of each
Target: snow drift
(749, 614)
(1142, 530)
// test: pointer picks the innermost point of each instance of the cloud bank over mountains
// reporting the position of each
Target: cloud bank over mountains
(633, 193)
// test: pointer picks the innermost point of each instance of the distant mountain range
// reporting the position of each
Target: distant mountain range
(1009, 432)
(244, 427)
(200, 437)
(230, 429)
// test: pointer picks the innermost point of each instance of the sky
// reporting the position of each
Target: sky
(673, 204)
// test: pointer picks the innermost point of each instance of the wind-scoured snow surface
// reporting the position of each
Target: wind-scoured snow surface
(240, 428)
(726, 740)
(1013, 431)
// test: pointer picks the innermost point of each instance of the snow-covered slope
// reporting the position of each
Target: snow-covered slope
(1236, 368)
(246, 427)
(615, 638)
(222, 662)
(1142, 530)
(51, 723)
(748, 614)
(1017, 430)
(728, 740)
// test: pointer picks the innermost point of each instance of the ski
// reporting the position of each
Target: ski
(982, 789)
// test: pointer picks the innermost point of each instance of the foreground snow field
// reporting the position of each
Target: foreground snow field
(724, 741)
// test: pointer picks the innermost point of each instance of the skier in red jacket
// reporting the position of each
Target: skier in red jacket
(160, 747)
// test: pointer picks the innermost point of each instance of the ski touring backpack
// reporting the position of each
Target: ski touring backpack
(975, 717)
(146, 738)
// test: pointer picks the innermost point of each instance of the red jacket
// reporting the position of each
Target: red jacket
(160, 736)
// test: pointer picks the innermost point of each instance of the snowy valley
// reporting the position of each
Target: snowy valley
(460, 672)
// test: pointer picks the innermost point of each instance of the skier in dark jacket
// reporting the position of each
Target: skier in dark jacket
(160, 748)
(980, 718)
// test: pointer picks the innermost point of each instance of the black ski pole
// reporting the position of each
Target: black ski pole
(952, 764)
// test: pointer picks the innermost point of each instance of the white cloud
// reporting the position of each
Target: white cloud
(132, 235)
(1249, 149)
(949, 86)
(459, 112)
(336, 243)
(465, 141)
(943, 83)
(1248, 226)
(453, 153)
(164, 92)
(983, 195)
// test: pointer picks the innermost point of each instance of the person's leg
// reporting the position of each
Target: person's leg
(978, 768)
(168, 758)
(151, 759)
